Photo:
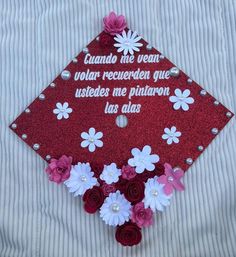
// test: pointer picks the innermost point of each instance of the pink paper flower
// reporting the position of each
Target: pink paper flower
(143, 217)
(107, 189)
(114, 24)
(171, 179)
(128, 172)
(59, 170)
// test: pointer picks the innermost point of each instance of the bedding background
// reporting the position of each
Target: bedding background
(37, 40)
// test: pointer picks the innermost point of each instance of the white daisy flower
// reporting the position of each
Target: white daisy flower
(62, 110)
(154, 196)
(171, 135)
(91, 139)
(116, 209)
(181, 99)
(110, 174)
(128, 43)
(81, 179)
(143, 159)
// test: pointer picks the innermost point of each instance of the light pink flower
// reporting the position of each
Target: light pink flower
(143, 217)
(128, 172)
(171, 179)
(59, 170)
(114, 24)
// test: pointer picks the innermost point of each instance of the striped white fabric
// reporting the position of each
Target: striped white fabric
(40, 219)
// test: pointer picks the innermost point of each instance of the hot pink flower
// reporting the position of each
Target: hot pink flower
(171, 179)
(143, 217)
(128, 172)
(59, 170)
(114, 24)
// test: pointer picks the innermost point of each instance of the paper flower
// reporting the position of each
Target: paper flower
(142, 216)
(114, 24)
(155, 198)
(181, 99)
(128, 172)
(128, 234)
(171, 135)
(93, 199)
(143, 159)
(134, 191)
(115, 209)
(91, 139)
(59, 170)
(128, 43)
(171, 179)
(107, 189)
(110, 173)
(62, 110)
(81, 179)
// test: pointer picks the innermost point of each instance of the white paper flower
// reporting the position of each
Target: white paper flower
(143, 159)
(116, 209)
(62, 110)
(181, 99)
(154, 196)
(128, 43)
(110, 173)
(91, 139)
(171, 135)
(81, 179)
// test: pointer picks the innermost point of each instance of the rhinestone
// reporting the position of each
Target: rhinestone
(189, 161)
(97, 39)
(149, 47)
(27, 110)
(14, 126)
(214, 131)
(170, 179)
(154, 192)
(228, 114)
(115, 207)
(83, 178)
(41, 97)
(174, 72)
(189, 81)
(216, 103)
(52, 84)
(36, 147)
(162, 57)
(48, 157)
(24, 136)
(203, 92)
(85, 50)
(65, 75)
(200, 148)
(75, 60)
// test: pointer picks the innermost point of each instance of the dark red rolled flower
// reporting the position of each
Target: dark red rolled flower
(106, 40)
(128, 234)
(93, 199)
(121, 184)
(97, 168)
(159, 170)
(134, 191)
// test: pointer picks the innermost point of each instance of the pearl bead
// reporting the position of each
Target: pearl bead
(14, 126)
(162, 57)
(52, 85)
(83, 178)
(75, 60)
(203, 92)
(189, 161)
(149, 47)
(214, 131)
(174, 72)
(200, 148)
(228, 114)
(91, 140)
(115, 207)
(154, 192)
(36, 147)
(27, 110)
(121, 121)
(48, 157)
(41, 97)
(85, 50)
(170, 179)
(97, 39)
(189, 81)
(24, 136)
(216, 103)
(65, 75)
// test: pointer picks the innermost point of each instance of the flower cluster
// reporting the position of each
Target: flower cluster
(125, 197)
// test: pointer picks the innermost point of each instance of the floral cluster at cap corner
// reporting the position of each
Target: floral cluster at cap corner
(126, 197)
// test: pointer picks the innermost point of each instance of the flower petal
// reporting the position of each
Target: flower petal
(92, 147)
(92, 132)
(85, 143)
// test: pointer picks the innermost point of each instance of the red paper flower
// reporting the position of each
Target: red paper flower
(128, 172)
(97, 169)
(93, 199)
(143, 217)
(121, 184)
(114, 24)
(128, 234)
(159, 170)
(59, 170)
(134, 191)
(107, 189)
